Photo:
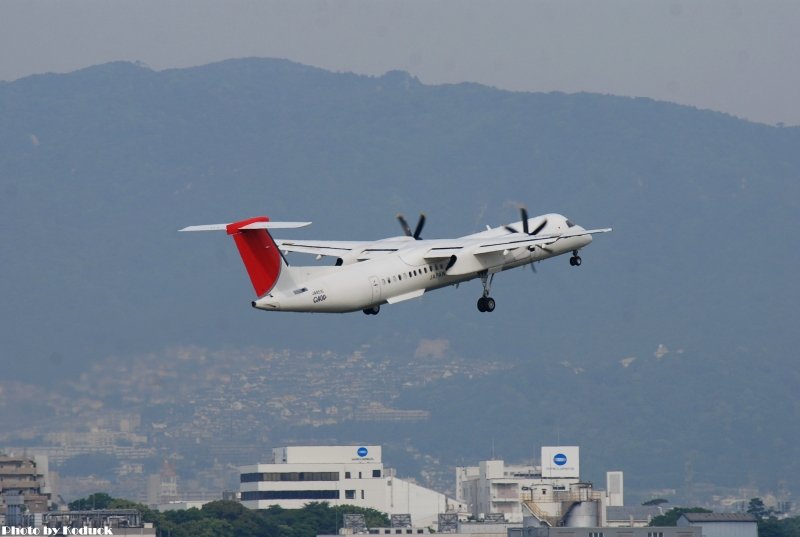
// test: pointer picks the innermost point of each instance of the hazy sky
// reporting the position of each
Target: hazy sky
(735, 56)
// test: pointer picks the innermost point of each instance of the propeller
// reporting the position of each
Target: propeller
(407, 228)
(523, 213)
(524, 219)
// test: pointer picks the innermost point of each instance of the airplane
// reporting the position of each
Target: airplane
(368, 274)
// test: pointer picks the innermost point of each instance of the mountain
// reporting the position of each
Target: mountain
(100, 167)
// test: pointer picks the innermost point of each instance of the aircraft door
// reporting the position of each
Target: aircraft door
(375, 283)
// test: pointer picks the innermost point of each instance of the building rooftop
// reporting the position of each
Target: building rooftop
(718, 517)
(638, 512)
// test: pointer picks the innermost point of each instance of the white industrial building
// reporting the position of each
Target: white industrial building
(721, 524)
(352, 475)
(615, 489)
(551, 494)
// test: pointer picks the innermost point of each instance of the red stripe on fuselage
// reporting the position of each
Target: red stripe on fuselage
(260, 254)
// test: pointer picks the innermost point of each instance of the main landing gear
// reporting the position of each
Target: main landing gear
(575, 260)
(374, 310)
(486, 303)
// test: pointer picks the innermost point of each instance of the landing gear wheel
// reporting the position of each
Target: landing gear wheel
(486, 304)
(575, 261)
(374, 310)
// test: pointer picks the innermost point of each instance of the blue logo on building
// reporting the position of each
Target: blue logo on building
(560, 459)
(362, 452)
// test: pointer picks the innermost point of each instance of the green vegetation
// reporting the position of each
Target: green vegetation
(231, 519)
(101, 500)
(757, 508)
(670, 518)
(768, 524)
(772, 527)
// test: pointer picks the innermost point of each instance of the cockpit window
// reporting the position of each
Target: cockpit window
(570, 224)
(300, 291)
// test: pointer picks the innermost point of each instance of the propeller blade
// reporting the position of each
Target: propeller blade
(533, 267)
(404, 225)
(420, 225)
(511, 229)
(524, 214)
(539, 227)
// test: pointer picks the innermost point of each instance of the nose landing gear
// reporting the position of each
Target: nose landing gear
(486, 303)
(374, 310)
(575, 260)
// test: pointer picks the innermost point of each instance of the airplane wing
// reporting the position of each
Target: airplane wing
(329, 248)
(362, 250)
(522, 240)
(484, 246)
(446, 250)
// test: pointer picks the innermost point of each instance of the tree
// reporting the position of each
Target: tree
(757, 508)
(670, 518)
(656, 501)
(98, 500)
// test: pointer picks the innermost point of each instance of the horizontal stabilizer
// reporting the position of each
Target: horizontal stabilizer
(254, 225)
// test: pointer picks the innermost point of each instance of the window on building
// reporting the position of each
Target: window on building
(347, 475)
(289, 476)
(655, 534)
(376, 473)
(350, 495)
(595, 534)
(290, 495)
(362, 494)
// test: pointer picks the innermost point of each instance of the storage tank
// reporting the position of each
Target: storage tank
(583, 515)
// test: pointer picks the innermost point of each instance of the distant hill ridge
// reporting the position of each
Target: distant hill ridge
(100, 167)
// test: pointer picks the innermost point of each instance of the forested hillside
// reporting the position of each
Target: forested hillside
(671, 350)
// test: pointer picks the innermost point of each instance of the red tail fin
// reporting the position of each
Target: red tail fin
(260, 254)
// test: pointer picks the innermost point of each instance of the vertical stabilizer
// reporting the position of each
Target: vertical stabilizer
(261, 257)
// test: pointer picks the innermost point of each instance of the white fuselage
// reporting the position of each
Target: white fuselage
(407, 273)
